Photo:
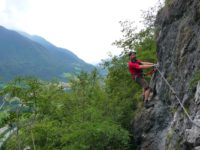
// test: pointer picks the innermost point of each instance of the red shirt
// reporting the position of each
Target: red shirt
(134, 68)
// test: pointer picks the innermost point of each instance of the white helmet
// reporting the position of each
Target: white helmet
(132, 51)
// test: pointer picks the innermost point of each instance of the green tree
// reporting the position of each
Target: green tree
(124, 93)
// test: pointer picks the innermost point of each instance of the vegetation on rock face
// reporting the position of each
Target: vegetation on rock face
(195, 79)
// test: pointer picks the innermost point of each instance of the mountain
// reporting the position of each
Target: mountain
(25, 55)
(167, 126)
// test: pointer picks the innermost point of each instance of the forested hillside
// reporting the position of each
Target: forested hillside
(34, 56)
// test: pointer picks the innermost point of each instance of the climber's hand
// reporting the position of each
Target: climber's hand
(156, 65)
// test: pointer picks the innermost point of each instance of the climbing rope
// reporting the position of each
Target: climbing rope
(173, 91)
(2, 104)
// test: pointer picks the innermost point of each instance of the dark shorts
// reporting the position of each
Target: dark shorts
(142, 82)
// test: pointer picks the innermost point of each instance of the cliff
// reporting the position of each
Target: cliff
(166, 126)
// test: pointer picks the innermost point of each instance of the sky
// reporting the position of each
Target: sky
(86, 27)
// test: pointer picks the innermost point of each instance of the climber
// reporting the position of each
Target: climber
(136, 70)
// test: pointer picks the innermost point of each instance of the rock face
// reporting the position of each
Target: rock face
(166, 126)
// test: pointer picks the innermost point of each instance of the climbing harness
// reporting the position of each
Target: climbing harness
(150, 72)
(173, 91)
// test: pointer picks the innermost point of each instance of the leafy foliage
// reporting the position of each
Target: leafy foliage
(61, 120)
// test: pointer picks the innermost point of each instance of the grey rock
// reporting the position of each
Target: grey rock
(166, 126)
(197, 148)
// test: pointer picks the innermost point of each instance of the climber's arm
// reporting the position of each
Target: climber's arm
(146, 66)
(146, 63)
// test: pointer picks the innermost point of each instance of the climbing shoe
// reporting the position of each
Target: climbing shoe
(150, 96)
(148, 104)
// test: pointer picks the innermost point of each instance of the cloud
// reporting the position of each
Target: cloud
(16, 5)
(11, 11)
